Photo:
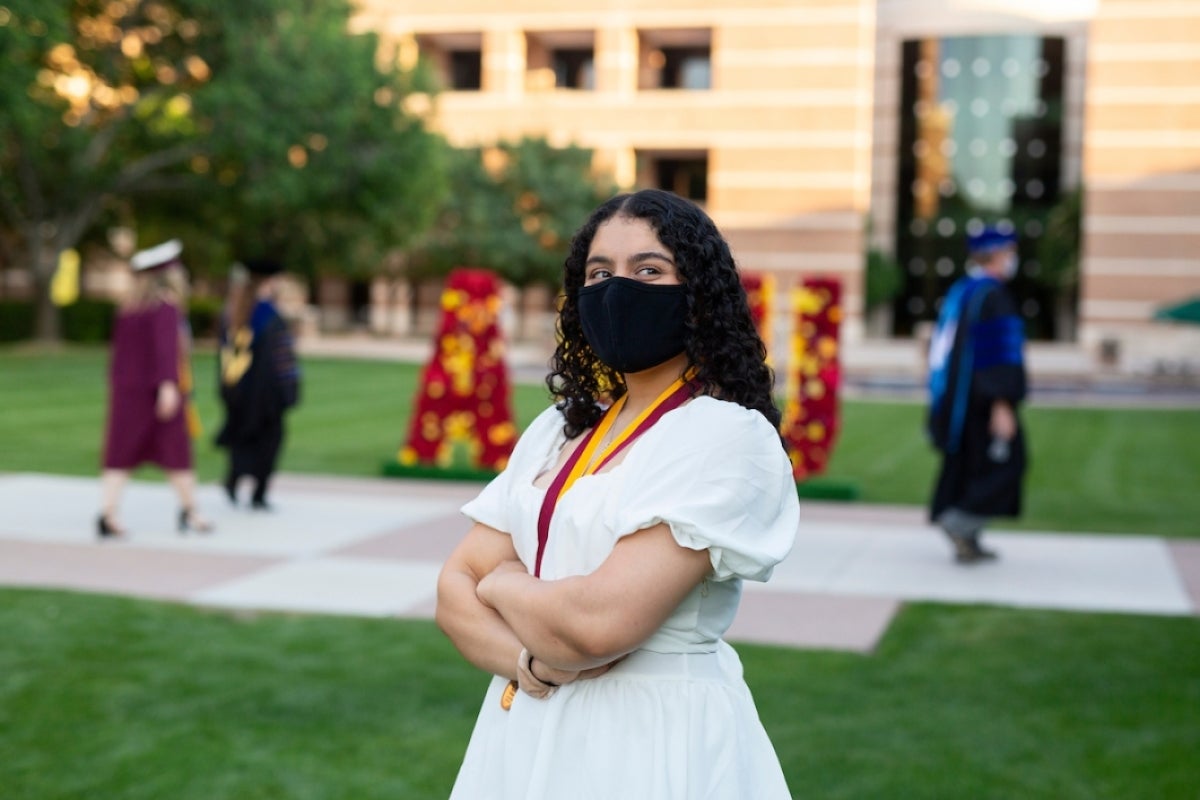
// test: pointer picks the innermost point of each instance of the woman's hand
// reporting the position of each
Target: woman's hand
(1003, 424)
(540, 685)
(167, 402)
(539, 680)
(511, 565)
(489, 584)
(586, 621)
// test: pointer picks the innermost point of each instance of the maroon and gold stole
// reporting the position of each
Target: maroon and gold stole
(586, 461)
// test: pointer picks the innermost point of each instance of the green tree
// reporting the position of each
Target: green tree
(264, 124)
(475, 224)
(314, 162)
(552, 191)
(511, 208)
(1058, 251)
(884, 279)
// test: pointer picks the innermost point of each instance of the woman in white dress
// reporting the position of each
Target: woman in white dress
(606, 561)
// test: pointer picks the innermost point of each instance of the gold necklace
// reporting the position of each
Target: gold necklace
(608, 437)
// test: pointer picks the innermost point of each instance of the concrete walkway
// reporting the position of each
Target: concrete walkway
(374, 547)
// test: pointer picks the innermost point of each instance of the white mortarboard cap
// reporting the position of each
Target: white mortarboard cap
(158, 256)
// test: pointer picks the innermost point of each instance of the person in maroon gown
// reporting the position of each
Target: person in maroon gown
(150, 418)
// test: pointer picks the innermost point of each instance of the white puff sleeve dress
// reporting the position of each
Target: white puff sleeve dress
(674, 720)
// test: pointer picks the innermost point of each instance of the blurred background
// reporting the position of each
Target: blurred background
(375, 145)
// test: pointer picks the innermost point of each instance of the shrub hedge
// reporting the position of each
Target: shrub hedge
(91, 321)
(16, 321)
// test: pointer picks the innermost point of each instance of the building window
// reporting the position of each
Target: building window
(684, 173)
(573, 69)
(560, 60)
(686, 68)
(456, 59)
(466, 70)
(980, 143)
(360, 303)
(675, 59)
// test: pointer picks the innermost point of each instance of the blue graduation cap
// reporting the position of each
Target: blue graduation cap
(990, 239)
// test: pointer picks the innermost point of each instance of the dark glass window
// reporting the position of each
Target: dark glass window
(686, 68)
(573, 69)
(360, 303)
(980, 143)
(687, 177)
(466, 69)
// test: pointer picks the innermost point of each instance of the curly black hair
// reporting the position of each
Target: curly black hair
(723, 346)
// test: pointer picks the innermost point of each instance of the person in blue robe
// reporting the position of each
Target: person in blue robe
(977, 382)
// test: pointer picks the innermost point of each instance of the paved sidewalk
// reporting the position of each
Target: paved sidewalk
(374, 547)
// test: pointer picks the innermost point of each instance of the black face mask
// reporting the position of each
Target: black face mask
(631, 325)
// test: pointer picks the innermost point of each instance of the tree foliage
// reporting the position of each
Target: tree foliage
(1059, 246)
(513, 209)
(315, 163)
(256, 126)
(884, 279)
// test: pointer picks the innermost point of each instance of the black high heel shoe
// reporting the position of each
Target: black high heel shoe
(230, 487)
(106, 530)
(188, 523)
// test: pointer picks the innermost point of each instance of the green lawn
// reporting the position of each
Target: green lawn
(1113, 470)
(1094, 469)
(119, 698)
(353, 414)
(116, 698)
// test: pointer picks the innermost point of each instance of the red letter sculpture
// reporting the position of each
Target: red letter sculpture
(463, 411)
(810, 415)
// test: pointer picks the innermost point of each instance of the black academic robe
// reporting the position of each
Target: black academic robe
(972, 477)
(264, 389)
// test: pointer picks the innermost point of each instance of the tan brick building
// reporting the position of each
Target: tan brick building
(1129, 140)
(793, 122)
(815, 130)
(1141, 173)
(762, 113)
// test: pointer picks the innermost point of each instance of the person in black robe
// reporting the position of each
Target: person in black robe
(259, 378)
(977, 381)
